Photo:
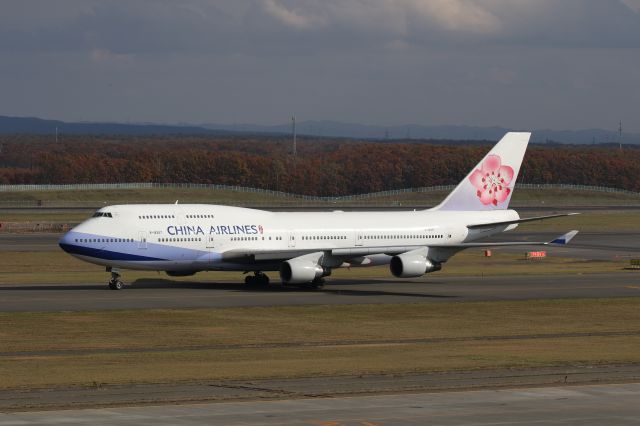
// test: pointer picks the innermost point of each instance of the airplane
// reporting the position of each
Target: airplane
(304, 247)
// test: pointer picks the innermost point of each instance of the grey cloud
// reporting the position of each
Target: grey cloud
(448, 23)
(254, 26)
(519, 63)
(136, 26)
(575, 23)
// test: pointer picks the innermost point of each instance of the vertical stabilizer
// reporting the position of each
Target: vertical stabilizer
(490, 184)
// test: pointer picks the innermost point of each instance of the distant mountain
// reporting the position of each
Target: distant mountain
(38, 126)
(415, 131)
(25, 125)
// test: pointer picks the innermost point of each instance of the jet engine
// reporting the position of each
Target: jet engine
(300, 271)
(412, 265)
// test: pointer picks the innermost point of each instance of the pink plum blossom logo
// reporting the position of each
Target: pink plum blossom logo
(492, 181)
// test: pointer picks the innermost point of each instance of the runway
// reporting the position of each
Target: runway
(561, 405)
(166, 294)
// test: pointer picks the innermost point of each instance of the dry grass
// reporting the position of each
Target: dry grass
(149, 367)
(196, 327)
(521, 198)
(372, 337)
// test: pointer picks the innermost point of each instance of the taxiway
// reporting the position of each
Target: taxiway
(560, 405)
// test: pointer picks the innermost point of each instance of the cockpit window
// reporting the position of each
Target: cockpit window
(102, 214)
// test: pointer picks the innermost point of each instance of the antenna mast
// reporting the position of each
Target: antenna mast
(293, 121)
(620, 135)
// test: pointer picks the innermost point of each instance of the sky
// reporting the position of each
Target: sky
(522, 64)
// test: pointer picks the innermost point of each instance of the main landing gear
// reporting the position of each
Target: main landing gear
(115, 283)
(259, 279)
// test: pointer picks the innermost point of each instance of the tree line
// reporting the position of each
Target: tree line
(323, 167)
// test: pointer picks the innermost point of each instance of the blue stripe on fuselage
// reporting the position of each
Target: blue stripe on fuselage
(104, 254)
(84, 244)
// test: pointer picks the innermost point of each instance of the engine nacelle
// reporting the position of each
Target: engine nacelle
(412, 265)
(300, 271)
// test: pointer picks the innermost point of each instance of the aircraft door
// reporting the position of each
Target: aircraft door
(292, 239)
(359, 237)
(210, 245)
(142, 242)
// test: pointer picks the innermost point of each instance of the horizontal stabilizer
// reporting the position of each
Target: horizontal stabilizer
(511, 222)
(564, 239)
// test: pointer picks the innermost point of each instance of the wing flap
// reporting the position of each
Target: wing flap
(262, 255)
(242, 254)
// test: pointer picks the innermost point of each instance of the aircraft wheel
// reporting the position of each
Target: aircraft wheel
(259, 279)
(116, 285)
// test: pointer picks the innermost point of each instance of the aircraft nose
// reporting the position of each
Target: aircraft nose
(66, 241)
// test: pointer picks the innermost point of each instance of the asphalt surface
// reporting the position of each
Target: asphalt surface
(309, 387)
(164, 294)
(561, 405)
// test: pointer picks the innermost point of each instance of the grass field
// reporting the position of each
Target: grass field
(521, 198)
(80, 348)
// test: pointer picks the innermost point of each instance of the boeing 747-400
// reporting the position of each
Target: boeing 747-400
(304, 247)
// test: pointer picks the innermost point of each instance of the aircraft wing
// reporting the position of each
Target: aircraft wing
(560, 241)
(243, 255)
(511, 222)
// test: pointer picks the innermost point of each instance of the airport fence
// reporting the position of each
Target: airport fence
(269, 196)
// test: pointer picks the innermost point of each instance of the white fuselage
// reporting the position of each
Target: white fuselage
(200, 237)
